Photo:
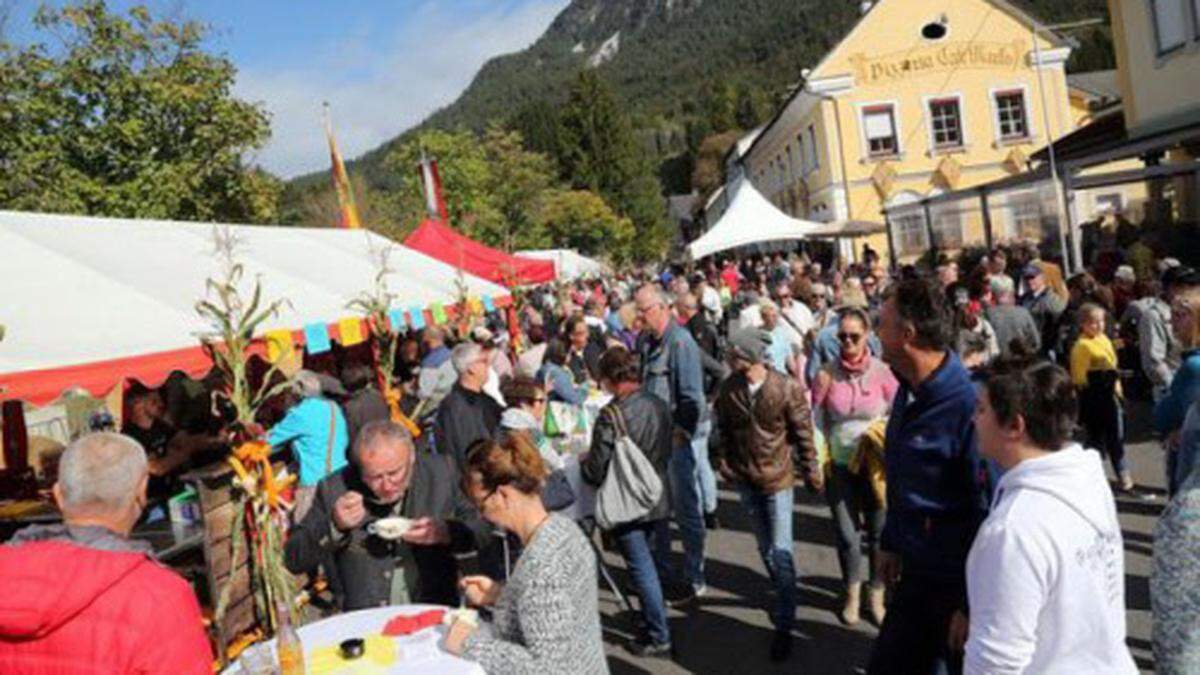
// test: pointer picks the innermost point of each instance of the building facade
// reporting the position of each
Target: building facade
(921, 97)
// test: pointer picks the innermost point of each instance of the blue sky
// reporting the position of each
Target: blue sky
(383, 66)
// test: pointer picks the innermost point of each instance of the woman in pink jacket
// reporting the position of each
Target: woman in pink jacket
(848, 396)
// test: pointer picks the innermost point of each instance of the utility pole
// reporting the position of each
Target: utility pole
(1074, 253)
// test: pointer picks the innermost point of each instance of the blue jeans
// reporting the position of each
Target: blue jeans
(771, 520)
(685, 498)
(636, 541)
(705, 474)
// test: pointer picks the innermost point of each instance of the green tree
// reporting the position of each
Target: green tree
(491, 185)
(720, 106)
(750, 107)
(128, 116)
(540, 127)
(580, 219)
(602, 155)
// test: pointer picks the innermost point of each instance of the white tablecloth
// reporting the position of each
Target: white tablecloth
(416, 653)
(585, 495)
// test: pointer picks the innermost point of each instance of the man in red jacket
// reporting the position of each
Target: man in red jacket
(82, 597)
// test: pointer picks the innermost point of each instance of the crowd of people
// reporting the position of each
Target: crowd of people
(953, 418)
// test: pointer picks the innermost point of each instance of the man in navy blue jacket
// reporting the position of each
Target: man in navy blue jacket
(936, 487)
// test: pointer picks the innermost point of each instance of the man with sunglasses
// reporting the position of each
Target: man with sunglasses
(387, 478)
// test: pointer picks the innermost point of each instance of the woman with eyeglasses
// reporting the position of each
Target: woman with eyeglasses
(545, 618)
(851, 394)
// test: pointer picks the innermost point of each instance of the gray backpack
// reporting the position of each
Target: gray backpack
(632, 488)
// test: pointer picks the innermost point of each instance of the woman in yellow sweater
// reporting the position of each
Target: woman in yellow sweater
(1094, 372)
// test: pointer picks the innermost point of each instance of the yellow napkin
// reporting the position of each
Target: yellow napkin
(378, 657)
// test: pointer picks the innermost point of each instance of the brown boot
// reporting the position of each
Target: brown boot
(849, 614)
(875, 603)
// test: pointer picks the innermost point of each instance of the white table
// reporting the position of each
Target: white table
(416, 653)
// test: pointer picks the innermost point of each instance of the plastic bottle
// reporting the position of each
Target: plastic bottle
(287, 644)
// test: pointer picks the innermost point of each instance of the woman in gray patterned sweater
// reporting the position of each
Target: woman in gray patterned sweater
(545, 619)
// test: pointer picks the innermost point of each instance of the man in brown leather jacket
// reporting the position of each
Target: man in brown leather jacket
(766, 435)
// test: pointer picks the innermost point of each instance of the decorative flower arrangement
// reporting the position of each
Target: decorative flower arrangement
(260, 519)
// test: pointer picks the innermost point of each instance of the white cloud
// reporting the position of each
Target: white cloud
(377, 90)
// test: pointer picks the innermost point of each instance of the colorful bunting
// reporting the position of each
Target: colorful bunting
(316, 335)
(489, 304)
(396, 317)
(416, 318)
(279, 345)
(350, 331)
(438, 312)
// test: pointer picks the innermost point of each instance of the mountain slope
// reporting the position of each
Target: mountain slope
(661, 54)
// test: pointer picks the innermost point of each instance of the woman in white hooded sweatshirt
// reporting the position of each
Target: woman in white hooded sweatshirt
(1046, 573)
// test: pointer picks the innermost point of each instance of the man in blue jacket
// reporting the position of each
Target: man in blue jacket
(671, 370)
(936, 487)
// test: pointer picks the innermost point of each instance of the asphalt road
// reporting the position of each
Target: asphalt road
(728, 630)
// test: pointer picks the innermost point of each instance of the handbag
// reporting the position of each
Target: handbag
(632, 488)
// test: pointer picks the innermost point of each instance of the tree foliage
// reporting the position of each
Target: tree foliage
(601, 154)
(127, 115)
(581, 220)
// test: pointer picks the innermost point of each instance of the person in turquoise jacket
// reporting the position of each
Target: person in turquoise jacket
(307, 426)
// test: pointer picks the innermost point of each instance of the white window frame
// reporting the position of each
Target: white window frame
(1031, 130)
(812, 143)
(864, 141)
(927, 112)
(1161, 50)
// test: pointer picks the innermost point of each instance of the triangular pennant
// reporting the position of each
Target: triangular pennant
(316, 338)
(489, 304)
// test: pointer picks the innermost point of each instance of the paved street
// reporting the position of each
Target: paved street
(728, 631)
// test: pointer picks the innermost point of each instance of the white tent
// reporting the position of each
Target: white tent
(749, 219)
(82, 291)
(568, 263)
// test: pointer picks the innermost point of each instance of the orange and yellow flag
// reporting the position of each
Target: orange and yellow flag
(347, 210)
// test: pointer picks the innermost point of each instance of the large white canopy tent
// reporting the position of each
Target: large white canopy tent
(749, 219)
(80, 292)
(568, 263)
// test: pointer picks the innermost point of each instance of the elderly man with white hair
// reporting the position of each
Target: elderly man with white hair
(82, 596)
(388, 478)
(468, 413)
(317, 430)
(1009, 320)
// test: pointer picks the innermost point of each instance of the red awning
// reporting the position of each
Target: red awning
(40, 387)
(437, 240)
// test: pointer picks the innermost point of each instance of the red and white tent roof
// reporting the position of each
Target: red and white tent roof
(88, 301)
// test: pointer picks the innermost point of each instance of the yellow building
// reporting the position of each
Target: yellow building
(1157, 45)
(921, 97)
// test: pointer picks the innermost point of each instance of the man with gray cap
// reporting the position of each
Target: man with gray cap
(764, 424)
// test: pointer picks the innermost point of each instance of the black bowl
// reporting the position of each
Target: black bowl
(352, 649)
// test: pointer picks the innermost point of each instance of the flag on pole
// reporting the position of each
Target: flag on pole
(347, 211)
(431, 184)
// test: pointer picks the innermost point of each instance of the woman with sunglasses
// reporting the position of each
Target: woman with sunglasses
(545, 618)
(849, 395)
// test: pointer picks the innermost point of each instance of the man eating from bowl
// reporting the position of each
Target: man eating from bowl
(367, 564)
